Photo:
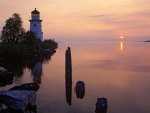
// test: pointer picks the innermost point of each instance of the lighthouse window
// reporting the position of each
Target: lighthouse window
(35, 25)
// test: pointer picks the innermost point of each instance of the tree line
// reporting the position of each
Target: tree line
(16, 41)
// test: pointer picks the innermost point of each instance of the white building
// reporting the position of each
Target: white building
(35, 24)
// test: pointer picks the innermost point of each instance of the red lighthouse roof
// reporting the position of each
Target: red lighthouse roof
(35, 12)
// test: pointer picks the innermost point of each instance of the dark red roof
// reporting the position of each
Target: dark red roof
(35, 12)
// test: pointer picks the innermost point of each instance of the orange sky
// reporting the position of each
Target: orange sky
(85, 19)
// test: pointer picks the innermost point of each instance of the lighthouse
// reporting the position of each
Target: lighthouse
(35, 24)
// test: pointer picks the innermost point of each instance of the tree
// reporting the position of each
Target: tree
(13, 32)
(49, 43)
(30, 38)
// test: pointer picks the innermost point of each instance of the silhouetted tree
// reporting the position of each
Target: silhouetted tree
(49, 43)
(30, 38)
(13, 32)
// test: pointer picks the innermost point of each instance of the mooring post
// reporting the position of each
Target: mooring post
(68, 60)
(68, 75)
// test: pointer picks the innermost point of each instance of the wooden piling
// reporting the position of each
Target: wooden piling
(68, 61)
(68, 75)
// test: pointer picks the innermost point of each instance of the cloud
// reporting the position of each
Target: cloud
(108, 18)
(143, 14)
(99, 16)
(137, 20)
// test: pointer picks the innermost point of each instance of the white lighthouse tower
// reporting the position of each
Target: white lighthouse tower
(35, 24)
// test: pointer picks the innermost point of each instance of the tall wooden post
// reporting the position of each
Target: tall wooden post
(68, 75)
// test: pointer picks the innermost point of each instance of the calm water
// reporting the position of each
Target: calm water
(119, 71)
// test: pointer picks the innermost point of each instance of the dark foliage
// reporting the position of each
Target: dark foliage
(13, 32)
(30, 38)
(13, 50)
(22, 47)
(46, 44)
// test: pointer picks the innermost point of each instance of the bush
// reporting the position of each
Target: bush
(49, 44)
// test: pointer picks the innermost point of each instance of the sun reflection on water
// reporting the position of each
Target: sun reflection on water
(121, 46)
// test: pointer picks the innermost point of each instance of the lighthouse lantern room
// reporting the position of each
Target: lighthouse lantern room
(35, 24)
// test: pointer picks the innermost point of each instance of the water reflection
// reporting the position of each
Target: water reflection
(121, 46)
(69, 90)
(18, 65)
(37, 72)
(122, 79)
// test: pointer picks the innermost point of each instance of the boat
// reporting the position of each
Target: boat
(27, 86)
(18, 99)
(80, 89)
(101, 105)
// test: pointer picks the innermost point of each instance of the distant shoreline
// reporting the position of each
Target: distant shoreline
(147, 41)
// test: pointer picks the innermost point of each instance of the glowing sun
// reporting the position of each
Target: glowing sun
(121, 36)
